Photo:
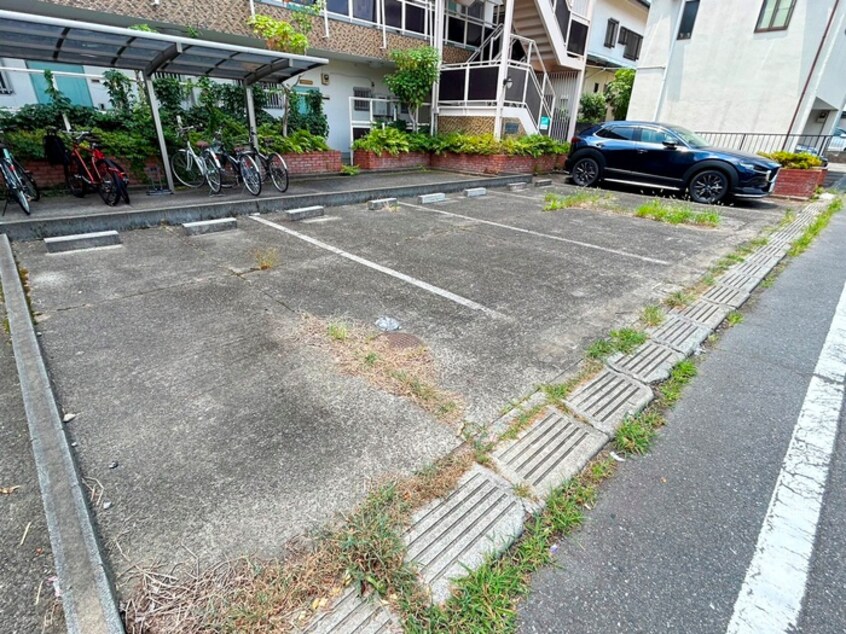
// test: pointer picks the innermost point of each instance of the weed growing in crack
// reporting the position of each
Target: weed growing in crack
(679, 299)
(734, 317)
(652, 315)
(675, 214)
(634, 436)
(624, 340)
(266, 259)
(578, 200)
(669, 392)
(339, 332)
(801, 244)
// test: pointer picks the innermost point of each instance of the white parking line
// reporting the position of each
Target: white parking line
(587, 245)
(458, 299)
(770, 599)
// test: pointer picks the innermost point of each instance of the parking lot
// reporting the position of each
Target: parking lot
(207, 420)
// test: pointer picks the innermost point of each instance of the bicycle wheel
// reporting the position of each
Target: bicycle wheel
(28, 183)
(250, 174)
(186, 169)
(75, 177)
(109, 186)
(212, 172)
(278, 171)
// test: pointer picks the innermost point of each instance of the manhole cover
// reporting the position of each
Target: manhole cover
(401, 340)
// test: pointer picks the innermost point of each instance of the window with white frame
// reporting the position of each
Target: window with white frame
(360, 105)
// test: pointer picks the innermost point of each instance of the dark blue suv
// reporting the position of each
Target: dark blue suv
(667, 157)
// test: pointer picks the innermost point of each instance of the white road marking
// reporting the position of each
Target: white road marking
(513, 195)
(538, 234)
(770, 599)
(458, 299)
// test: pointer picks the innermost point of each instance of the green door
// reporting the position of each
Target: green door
(74, 88)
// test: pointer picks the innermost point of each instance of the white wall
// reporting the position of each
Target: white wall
(727, 77)
(23, 90)
(343, 77)
(629, 14)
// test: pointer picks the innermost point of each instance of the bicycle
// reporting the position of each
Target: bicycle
(241, 164)
(20, 185)
(191, 169)
(109, 178)
(272, 166)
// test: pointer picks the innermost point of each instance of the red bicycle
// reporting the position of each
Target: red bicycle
(105, 175)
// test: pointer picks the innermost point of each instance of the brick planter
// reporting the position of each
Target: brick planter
(560, 161)
(546, 163)
(490, 164)
(793, 183)
(385, 161)
(47, 175)
(314, 162)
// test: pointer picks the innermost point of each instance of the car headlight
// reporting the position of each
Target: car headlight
(749, 166)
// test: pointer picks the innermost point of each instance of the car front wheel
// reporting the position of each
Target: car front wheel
(708, 187)
(585, 172)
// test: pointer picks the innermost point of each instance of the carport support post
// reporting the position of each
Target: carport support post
(157, 121)
(251, 117)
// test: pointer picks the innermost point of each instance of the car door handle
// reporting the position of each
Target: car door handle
(600, 145)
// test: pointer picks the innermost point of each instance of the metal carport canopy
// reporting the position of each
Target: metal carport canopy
(49, 39)
(44, 38)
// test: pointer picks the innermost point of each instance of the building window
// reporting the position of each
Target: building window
(775, 15)
(596, 87)
(611, 34)
(688, 19)
(632, 41)
(361, 105)
(5, 84)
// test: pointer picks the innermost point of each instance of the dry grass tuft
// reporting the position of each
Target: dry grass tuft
(408, 371)
(266, 259)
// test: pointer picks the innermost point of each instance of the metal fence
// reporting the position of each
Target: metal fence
(755, 142)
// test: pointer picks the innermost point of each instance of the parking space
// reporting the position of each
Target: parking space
(188, 367)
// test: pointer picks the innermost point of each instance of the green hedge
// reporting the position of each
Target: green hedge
(392, 141)
(794, 160)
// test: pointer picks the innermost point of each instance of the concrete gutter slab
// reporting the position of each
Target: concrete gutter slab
(608, 399)
(450, 536)
(721, 294)
(548, 453)
(739, 281)
(352, 614)
(650, 363)
(680, 334)
(88, 597)
(706, 313)
(79, 241)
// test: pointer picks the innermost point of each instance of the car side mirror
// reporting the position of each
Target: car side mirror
(670, 145)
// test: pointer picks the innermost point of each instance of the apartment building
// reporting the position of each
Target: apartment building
(615, 41)
(481, 89)
(751, 66)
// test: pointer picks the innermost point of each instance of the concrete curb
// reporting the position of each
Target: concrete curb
(34, 228)
(88, 597)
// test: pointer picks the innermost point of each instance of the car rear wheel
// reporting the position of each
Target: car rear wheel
(708, 187)
(585, 172)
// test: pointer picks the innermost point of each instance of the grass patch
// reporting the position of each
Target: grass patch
(625, 340)
(676, 214)
(408, 372)
(801, 244)
(652, 315)
(679, 299)
(578, 200)
(522, 421)
(634, 436)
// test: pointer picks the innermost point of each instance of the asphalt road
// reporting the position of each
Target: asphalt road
(673, 537)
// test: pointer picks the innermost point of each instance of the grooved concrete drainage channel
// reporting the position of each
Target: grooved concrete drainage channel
(186, 366)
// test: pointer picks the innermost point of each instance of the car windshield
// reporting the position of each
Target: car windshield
(692, 139)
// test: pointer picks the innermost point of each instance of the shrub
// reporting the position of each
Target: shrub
(619, 92)
(417, 70)
(794, 160)
(592, 108)
(299, 142)
(383, 140)
(25, 144)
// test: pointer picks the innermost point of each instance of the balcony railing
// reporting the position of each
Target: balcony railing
(755, 142)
